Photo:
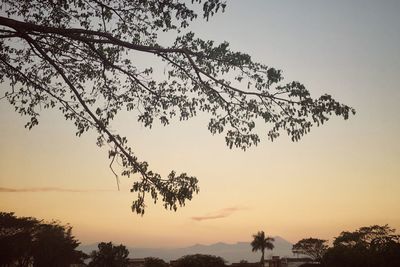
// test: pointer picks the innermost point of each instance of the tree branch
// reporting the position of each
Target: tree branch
(98, 123)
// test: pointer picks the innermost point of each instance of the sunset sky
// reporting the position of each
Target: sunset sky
(341, 176)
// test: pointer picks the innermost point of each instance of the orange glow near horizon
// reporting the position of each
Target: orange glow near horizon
(341, 176)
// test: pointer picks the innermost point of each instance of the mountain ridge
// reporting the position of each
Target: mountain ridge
(231, 252)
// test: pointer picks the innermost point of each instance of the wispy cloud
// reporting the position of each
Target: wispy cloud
(45, 189)
(222, 213)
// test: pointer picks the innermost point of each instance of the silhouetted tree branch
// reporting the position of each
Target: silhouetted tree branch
(76, 56)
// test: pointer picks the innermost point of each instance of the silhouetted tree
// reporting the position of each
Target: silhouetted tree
(54, 245)
(312, 247)
(154, 262)
(109, 255)
(261, 243)
(16, 235)
(76, 56)
(200, 260)
(26, 241)
(373, 246)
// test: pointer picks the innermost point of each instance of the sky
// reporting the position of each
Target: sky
(341, 176)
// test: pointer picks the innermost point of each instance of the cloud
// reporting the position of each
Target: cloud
(222, 213)
(44, 189)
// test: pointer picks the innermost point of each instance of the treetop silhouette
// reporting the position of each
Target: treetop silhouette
(262, 242)
(312, 247)
(77, 56)
(27, 241)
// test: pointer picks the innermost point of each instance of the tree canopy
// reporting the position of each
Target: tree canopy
(109, 255)
(78, 57)
(199, 260)
(373, 246)
(154, 262)
(312, 247)
(26, 241)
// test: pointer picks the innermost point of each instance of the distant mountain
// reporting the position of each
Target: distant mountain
(230, 252)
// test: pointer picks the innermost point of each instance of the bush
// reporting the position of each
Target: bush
(199, 260)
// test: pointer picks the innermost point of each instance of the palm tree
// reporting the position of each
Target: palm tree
(260, 242)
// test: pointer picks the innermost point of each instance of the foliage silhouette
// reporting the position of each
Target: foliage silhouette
(260, 243)
(373, 246)
(26, 241)
(154, 262)
(109, 255)
(199, 260)
(77, 56)
(312, 247)
(16, 236)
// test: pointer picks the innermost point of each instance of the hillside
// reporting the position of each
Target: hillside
(230, 252)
